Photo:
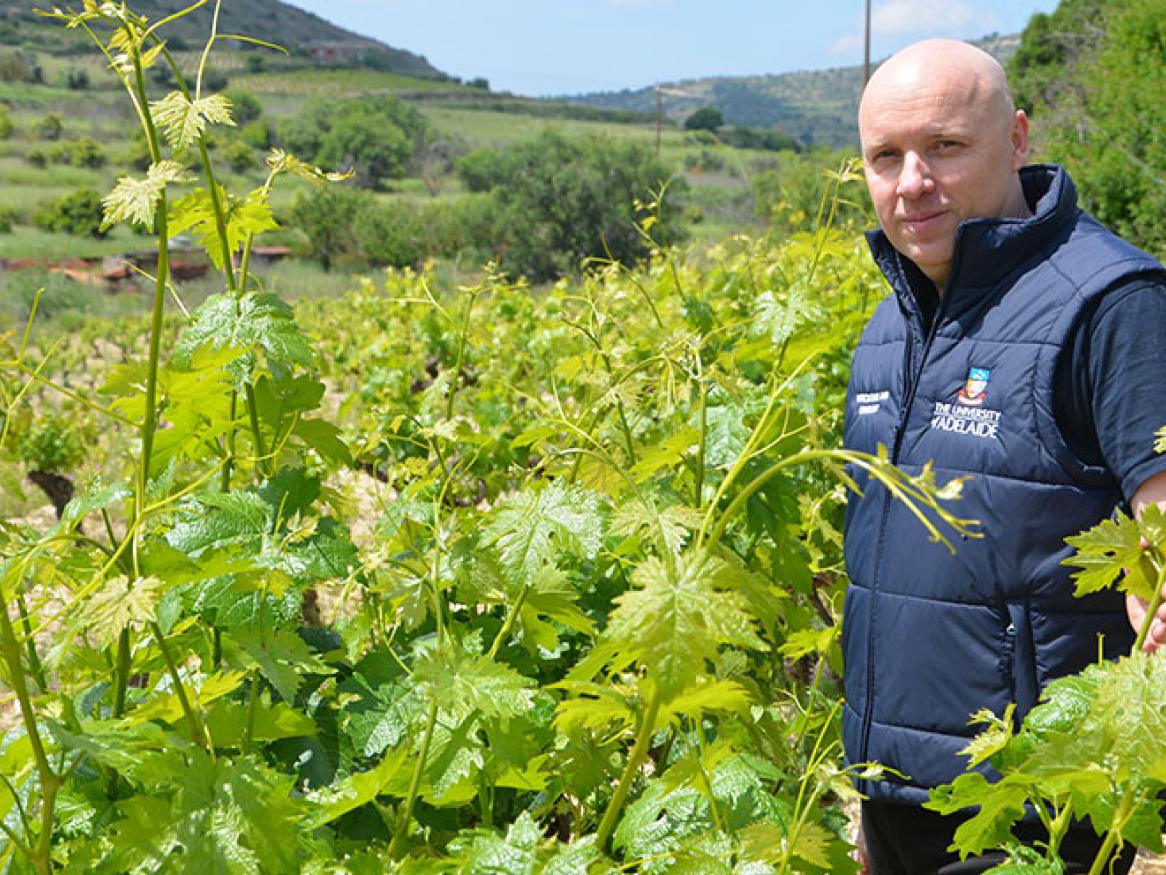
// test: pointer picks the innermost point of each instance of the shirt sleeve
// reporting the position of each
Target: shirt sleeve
(1118, 359)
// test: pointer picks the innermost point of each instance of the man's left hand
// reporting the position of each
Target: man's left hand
(1153, 491)
(1136, 608)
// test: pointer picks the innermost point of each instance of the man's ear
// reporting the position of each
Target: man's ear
(1019, 139)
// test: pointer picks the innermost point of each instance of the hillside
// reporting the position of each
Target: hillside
(817, 107)
(307, 37)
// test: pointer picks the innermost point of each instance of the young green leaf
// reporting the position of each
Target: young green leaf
(530, 528)
(135, 200)
(992, 739)
(674, 620)
(249, 321)
(183, 120)
(462, 682)
(245, 217)
(1110, 551)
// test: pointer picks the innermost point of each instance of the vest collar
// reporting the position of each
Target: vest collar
(988, 250)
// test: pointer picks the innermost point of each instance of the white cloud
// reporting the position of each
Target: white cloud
(906, 17)
(899, 18)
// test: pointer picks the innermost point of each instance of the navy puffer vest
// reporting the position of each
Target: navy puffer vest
(930, 637)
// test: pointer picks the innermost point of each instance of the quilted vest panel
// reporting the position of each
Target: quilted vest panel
(931, 636)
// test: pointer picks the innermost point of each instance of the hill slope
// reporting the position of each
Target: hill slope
(306, 36)
(817, 107)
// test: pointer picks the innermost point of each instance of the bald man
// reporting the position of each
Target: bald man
(1023, 347)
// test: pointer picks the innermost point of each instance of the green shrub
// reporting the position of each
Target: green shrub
(391, 235)
(325, 217)
(707, 160)
(245, 106)
(49, 127)
(558, 202)
(85, 152)
(258, 134)
(771, 140)
(481, 169)
(20, 66)
(790, 193)
(7, 126)
(239, 156)
(79, 213)
(52, 444)
(7, 219)
(701, 137)
(707, 118)
(36, 157)
(77, 79)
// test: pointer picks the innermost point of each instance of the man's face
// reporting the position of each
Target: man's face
(938, 150)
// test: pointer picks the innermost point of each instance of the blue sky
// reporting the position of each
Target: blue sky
(541, 47)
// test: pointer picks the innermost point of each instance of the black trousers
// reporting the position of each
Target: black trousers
(909, 840)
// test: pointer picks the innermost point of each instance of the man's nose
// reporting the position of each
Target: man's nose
(914, 177)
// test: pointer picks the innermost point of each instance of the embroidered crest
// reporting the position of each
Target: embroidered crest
(976, 387)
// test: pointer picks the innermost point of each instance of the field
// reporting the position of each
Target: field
(37, 168)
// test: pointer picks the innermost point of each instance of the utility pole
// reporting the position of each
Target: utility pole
(866, 49)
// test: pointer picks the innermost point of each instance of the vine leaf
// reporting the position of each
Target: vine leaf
(1112, 551)
(119, 604)
(356, 790)
(462, 682)
(530, 528)
(249, 321)
(281, 656)
(674, 621)
(135, 200)
(992, 739)
(245, 217)
(183, 120)
(226, 816)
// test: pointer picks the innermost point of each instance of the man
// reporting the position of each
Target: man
(1023, 347)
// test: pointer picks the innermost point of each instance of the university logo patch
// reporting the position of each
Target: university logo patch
(974, 390)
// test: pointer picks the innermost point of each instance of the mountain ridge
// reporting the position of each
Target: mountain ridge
(817, 107)
(304, 34)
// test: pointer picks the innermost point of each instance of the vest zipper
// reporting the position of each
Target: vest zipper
(913, 377)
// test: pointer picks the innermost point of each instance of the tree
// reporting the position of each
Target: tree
(370, 144)
(374, 136)
(325, 217)
(707, 118)
(1102, 117)
(1051, 47)
(558, 202)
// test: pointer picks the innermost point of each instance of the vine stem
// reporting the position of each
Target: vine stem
(1111, 837)
(50, 781)
(197, 732)
(1151, 610)
(635, 760)
(508, 623)
(401, 833)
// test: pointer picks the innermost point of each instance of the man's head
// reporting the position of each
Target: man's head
(941, 143)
